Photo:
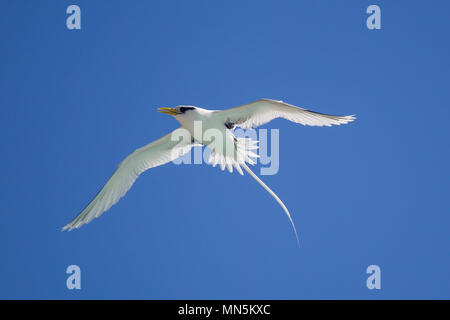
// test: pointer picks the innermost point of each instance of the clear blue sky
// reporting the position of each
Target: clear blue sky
(75, 103)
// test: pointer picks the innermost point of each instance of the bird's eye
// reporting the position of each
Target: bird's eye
(184, 109)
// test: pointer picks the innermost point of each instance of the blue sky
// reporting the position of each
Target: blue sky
(75, 103)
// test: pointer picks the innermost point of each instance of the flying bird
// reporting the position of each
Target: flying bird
(197, 122)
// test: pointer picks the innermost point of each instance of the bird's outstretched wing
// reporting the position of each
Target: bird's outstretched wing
(152, 155)
(264, 110)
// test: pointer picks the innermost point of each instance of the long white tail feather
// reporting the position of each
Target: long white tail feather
(246, 168)
(244, 154)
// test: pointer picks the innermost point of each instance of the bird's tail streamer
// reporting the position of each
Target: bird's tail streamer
(246, 168)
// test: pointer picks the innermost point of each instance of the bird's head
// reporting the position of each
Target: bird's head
(177, 111)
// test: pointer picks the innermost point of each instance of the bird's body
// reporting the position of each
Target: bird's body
(209, 128)
(212, 128)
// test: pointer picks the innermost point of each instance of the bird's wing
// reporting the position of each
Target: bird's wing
(264, 110)
(152, 155)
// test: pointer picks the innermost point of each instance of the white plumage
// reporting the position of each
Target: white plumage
(260, 112)
(152, 155)
(167, 149)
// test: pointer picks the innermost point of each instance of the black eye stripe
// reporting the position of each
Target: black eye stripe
(184, 109)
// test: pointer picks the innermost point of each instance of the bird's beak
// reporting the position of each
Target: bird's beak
(169, 111)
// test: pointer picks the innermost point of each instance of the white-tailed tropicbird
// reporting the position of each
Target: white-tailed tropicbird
(168, 149)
